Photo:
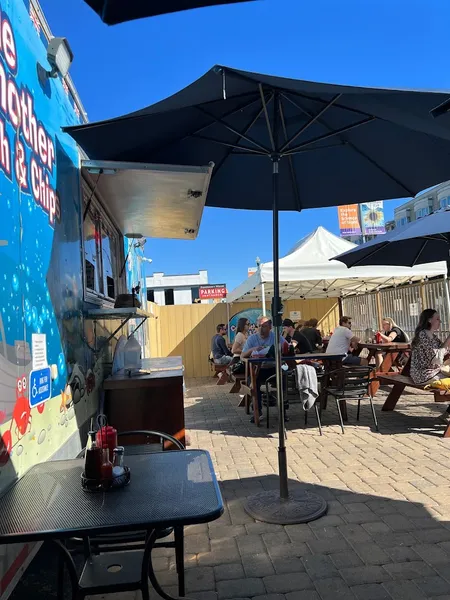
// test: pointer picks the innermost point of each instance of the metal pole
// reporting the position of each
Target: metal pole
(263, 298)
(276, 319)
(277, 311)
(263, 290)
(228, 323)
(272, 506)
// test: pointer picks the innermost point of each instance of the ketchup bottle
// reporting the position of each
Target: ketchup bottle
(106, 467)
(107, 438)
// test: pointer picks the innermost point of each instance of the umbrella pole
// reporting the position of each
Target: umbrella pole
(277, 311)
(284, 506)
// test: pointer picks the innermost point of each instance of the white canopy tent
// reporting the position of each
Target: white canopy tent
(307, 272)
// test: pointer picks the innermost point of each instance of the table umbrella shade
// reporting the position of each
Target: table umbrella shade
(327, 144)
(113, 12)
(423, 241)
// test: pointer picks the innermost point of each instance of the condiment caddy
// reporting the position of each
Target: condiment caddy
(104, 468)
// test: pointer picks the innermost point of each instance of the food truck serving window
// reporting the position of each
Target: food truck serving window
(101, 248)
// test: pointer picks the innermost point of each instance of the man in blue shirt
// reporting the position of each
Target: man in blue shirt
(256, 343)
(220, 352)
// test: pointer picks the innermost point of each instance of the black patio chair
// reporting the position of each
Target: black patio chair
(115, 544)
(317, 403)
(351, 383)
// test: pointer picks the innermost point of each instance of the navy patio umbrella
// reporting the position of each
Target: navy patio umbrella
(113, 12)
(284, 144)
(423, 241)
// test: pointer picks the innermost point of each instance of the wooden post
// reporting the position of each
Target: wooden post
(423, 298)
(379, 313)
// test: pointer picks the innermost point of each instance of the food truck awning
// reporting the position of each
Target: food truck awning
(163, 201)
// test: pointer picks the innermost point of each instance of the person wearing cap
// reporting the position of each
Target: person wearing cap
(265, 338)
(301, 343)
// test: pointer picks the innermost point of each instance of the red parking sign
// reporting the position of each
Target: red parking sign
(207, 292)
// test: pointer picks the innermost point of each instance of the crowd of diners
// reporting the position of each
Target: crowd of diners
(430, 356)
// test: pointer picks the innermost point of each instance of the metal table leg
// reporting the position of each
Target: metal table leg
(65, 559)
(147, 567)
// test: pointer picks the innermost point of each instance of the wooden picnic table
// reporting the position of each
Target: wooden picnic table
(392, 353)
(400, 381)
(253, 366)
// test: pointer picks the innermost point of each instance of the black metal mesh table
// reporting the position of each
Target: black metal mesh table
(166, 489)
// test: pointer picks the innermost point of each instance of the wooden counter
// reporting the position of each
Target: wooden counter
(153, 400)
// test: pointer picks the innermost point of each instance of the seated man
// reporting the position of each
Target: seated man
(301, 342)
(220, 352)
(342, 341)
(256, 343)
(311, 332)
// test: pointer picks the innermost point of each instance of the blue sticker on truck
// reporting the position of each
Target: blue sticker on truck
(40, 388)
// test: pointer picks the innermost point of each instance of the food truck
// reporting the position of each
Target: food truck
(72, 234)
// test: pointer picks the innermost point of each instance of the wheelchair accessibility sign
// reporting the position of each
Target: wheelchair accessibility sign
(40, 388)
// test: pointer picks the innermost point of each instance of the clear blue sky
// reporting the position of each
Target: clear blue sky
(400, 43)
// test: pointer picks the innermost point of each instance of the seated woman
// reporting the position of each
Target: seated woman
(428, 351)
(240, 337)
(391, 333)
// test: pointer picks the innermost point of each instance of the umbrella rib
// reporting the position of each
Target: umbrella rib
(322, 101)
(311, 121)
(241, 106)
(228, 144)
(332, 133)
(230, 150)
(235, 131)
(291, 165)
(142, 115)
(422, 248)
(382, 169)
(374, 251)
(352, 145)
(324, 147)
(440, 237)
(266, 114)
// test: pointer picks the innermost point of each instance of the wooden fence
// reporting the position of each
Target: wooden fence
(186, 330)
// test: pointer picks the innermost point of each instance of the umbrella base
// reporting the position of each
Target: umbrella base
(300, 507)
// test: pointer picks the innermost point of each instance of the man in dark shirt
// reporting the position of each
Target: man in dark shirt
(221, 354)
(289, 333)
(311, 332)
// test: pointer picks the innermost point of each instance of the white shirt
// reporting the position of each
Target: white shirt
(340, 341)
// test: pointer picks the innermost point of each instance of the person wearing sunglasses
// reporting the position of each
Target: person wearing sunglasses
(343, 341)
(241, 336)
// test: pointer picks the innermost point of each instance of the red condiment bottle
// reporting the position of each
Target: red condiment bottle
(107, 438)
(107, 467)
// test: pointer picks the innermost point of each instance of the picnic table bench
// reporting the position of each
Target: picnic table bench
(393, 354)
(399, 382)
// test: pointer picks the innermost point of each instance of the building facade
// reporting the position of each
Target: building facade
(176, 289)
(423, 204)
